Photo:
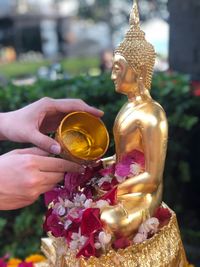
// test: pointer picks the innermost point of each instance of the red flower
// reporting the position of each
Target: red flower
(73, 228)
(88, 249)
(135, 156)
(25, 264)
(162, 214)
(123, 167)
(75, 180)
(108, 171)
(90, 221)
(106, 186)
(122, 242)
(52, 224)
(89, 191)
(110, 196)
(72, 182)
(54, 194)
(3, 263)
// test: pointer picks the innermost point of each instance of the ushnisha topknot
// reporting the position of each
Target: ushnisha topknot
(135, 48)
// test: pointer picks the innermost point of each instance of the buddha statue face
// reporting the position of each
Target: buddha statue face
(124, 77)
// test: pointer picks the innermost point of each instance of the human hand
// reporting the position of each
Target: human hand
(31, 123)
(27, 173)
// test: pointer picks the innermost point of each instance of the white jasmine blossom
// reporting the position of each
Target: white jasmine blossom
(74, 213)
(78, 241)
(88, 203)
(69, 204)
(79, 200)
(104, 179)
(97, 245)
(59, 207)
(135, 168)
(104, 239)
(139, 238)
(102, 204)
(150, 226)
(67, 223)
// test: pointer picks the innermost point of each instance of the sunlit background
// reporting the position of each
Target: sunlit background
(39, 30)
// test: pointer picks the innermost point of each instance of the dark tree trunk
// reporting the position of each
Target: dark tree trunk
(184, 51)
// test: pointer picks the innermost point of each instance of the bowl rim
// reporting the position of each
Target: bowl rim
(59, 131)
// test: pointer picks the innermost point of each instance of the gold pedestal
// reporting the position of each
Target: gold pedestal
(164, 249)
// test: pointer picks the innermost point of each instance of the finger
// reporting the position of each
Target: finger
(70, 105)
(31, 150)
(46, 143)
(51, 178)
(47, 164)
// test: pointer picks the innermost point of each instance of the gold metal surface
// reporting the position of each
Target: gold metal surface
(141, 125)
(164, 249)
(83, 137)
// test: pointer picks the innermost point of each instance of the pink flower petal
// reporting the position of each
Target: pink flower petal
(108, 171)
(110, 196)
(88, 249)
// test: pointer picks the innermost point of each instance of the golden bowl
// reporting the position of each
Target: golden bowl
(83, 137)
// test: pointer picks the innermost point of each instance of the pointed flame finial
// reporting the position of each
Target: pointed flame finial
(134, 16)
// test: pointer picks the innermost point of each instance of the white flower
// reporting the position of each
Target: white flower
(104, 179)
(97, 245)
(69, 204)
(120, 179)
(74, 213)
(102, 204)
(149, 226)
(67, 223)
(59, 207)
(135, 168)
(74, 244)
(104, 238)
(139, 238)
(78, 241)
(88, 203)
(79, 200)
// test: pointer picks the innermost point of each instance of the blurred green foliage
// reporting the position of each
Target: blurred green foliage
(20, 231)
(72, 66)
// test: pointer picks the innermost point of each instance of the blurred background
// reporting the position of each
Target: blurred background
(64, 48)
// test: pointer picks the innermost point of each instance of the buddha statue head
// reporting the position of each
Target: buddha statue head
(133, 59)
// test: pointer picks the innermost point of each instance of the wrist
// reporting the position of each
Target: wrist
(5, 126)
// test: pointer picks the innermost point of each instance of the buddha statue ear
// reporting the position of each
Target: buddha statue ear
(142, 78)
(142, 72)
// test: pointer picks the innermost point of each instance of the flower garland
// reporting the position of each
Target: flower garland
(75, 208)
(30, 261)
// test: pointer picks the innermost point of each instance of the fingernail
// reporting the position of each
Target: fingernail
(55, 149)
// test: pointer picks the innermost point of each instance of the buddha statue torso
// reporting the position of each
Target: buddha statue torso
(140, 125)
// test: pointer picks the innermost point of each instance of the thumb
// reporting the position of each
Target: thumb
(46, 143)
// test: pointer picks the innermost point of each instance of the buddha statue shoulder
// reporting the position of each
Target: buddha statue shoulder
(141, 125)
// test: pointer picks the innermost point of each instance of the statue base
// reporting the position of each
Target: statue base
(164, 249)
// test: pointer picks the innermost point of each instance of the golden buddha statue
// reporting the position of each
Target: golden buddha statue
(141, 125)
